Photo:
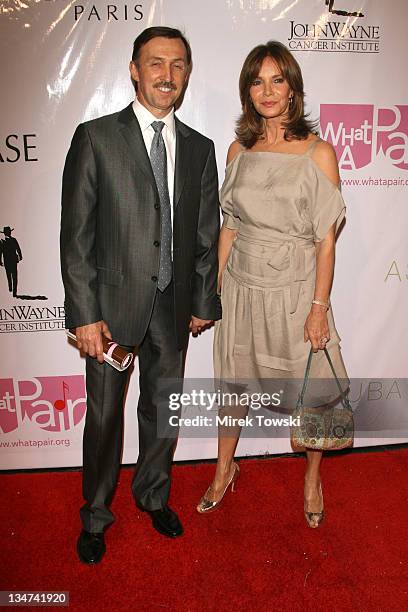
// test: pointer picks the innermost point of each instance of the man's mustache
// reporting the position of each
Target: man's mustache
(168, 84)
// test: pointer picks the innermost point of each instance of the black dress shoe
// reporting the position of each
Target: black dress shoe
(166, 522)
(91, 547)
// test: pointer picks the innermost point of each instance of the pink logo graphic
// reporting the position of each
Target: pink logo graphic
(53, 403)
(9, 420)
(361, 132)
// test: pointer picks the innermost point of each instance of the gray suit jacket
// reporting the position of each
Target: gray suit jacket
(110, 228)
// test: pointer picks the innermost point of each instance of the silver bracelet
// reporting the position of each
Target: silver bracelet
(319, 303)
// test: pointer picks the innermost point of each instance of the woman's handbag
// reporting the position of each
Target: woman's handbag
(326, 427)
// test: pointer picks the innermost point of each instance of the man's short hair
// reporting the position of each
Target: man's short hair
(155, 32)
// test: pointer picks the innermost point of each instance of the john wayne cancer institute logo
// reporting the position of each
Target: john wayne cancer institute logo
(22, 317)
(52, 403)
(362, 132)
(330, 35)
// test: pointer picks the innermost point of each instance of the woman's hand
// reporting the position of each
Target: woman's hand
(317, 328)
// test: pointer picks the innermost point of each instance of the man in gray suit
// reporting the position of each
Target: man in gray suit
(139, 232)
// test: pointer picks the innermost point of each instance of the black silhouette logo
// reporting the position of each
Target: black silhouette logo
(10, 257)
(330, 4)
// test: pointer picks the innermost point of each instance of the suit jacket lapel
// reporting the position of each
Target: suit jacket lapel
(182, 158)
(131, 132)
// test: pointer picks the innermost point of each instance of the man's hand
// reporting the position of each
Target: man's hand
(89, 339)
(198, 325)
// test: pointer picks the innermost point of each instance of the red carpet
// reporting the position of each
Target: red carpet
(255, 553)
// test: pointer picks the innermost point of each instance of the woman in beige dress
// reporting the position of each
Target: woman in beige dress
(282, 208)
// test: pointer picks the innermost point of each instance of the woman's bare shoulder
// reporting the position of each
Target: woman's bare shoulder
(325, 158)
(233, 150)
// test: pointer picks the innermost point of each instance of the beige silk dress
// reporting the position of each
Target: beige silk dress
(280, 204)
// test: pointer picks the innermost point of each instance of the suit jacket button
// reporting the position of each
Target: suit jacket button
(156, 243)
(154, 279)
(157, 206)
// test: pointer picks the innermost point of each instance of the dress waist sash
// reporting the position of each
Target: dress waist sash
(286, 254)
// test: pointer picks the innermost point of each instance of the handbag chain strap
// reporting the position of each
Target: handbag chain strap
(344, 399)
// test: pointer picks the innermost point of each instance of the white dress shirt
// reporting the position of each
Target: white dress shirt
(145, 119)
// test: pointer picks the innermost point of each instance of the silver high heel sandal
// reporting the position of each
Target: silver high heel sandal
(314, 519)
(207, 505)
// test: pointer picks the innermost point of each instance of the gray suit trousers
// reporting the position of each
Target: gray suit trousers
(159, 357)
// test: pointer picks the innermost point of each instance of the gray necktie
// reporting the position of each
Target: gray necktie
(158, 159)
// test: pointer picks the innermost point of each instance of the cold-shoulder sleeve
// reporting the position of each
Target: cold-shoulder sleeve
(230, 220)
(327, 206)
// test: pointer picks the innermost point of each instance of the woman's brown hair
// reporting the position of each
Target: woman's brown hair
(250, 125)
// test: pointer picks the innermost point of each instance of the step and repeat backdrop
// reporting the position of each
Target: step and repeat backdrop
(64, 62)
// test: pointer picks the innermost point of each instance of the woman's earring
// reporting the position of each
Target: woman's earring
(290, 101)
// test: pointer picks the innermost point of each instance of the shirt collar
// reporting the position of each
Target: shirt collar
(146, 118)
